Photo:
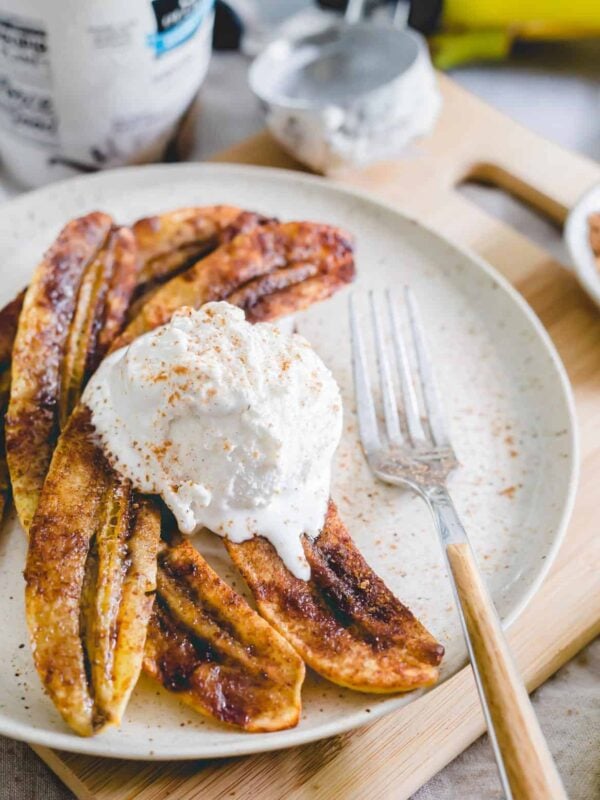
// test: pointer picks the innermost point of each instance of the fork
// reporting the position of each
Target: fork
(419, 455)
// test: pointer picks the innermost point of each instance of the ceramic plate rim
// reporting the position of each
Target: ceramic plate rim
(294, 737)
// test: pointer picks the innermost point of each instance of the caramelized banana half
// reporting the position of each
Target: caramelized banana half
(91, 564)
(348, 643)
(204, 642)
(344, 622)
(240, 264)
(206, 645)
(104, 293)
(90, 582)
(56, 339)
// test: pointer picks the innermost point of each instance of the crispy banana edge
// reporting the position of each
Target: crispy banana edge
(9, 321)
(171, 243)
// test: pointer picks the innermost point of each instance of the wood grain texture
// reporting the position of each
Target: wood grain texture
(529, 766)
(393, 757)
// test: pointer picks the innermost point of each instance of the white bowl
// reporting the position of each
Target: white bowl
(578, 241)
(351, 94)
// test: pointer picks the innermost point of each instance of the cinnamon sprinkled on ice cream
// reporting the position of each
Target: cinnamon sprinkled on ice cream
(234, 425)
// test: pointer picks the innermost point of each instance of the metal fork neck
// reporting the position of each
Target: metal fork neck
(441, 505)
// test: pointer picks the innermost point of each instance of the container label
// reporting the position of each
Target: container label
(26, 106)
(176, 22)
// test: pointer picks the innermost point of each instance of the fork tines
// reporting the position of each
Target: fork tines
(418, 419)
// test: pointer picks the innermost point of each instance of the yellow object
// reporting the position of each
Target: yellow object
(450, 49)
(485, 29)
(530, 19)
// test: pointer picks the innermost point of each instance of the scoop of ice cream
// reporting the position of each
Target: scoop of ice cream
(234, 425)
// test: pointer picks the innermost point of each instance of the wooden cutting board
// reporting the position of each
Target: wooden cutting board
(396, 755)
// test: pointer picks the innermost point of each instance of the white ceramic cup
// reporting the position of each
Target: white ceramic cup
(348, 95)
(91, 84)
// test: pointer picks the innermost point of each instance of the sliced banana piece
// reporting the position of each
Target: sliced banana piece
(43, 329)
(248, 256)
(206, 645)
(90, 575)
(168, 241)
(344, 622)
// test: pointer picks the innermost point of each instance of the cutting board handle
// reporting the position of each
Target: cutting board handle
(475, 141)
(528, 192)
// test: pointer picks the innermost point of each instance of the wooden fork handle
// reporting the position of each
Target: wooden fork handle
(529, 766)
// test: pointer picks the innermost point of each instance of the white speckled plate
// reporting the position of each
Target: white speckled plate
(511, 415)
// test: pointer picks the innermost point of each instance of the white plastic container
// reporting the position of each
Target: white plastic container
(92, 84)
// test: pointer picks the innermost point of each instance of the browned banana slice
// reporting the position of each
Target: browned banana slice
(90, 298)
(9, 319)
(90, 575)
(294, 298)
(345, 623)
(102, 301)
(168, 241)
(215, 653)
(249, 255)
(32, 418)
(122, 533)
(60, 537)
(121, 285)
(115, 596)
(4, 479)
(248, 296)
(291, 296)
(170, 244)
(125, 549)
